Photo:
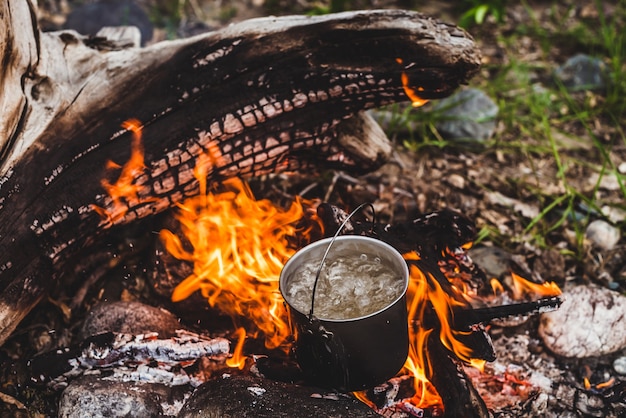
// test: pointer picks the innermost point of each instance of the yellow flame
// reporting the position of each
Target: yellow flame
(496, 286)
(239, 246)
(124, 192)
(238, 360)
(416, 100)
(523, 287)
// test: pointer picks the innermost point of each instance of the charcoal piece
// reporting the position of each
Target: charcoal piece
(129, 318)
(91, 396)
(465, 319)
(247, 396)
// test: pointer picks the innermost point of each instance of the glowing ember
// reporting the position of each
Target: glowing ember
(124, 192)
(416, 100)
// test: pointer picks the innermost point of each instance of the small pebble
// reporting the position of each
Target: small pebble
(602, 234)
(619, 365)
(494, 261)
(457, 181)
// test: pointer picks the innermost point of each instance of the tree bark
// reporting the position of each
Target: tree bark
(260, 96)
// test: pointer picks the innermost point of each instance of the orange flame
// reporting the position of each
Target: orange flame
(238, 360)
(523, 287)
(125, 191)
(239, 248)
(425, 292)
(362, 396)
(416, 100)
(496, 286)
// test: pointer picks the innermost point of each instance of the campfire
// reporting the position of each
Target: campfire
(237, 246)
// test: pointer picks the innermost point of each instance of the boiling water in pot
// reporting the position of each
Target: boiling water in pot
(349, 286)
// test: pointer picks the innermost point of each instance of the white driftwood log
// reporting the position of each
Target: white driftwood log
(265, 95)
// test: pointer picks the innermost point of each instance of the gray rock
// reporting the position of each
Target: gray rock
(619, 365)
(90, 18)
(582, 72)
(91, 396)
(468, 115)
(129, 318)
(589, 323)
(494, 261)
(248, 396)
(603, 235)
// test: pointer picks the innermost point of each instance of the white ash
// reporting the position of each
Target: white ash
(258, 391)
(143, 358)
(589, 323)
(139, 348)
(147, 374)
(549, 389)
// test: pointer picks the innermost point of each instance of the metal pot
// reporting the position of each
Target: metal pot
(356, 353)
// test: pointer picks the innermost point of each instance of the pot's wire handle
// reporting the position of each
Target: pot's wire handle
(319, 270)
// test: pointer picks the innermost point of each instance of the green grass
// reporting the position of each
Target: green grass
(536, 114)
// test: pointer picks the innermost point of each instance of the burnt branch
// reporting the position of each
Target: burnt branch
(133, 356)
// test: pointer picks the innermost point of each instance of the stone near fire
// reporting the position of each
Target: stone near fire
(129, 318)
(249, 396)
(589, 323)
(92, 396)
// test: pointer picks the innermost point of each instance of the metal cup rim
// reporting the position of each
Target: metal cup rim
(324, 242)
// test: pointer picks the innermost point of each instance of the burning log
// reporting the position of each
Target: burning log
(261, 96)
(458, 394)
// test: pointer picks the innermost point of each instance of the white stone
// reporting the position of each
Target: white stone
(602, 234)
(590, 322)
(619, 365)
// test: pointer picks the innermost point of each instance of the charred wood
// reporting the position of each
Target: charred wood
(128, 357)
(260, 96)
(466, 319)
(460, 398)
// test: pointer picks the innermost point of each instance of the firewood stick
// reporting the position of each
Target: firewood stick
(467, 318)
